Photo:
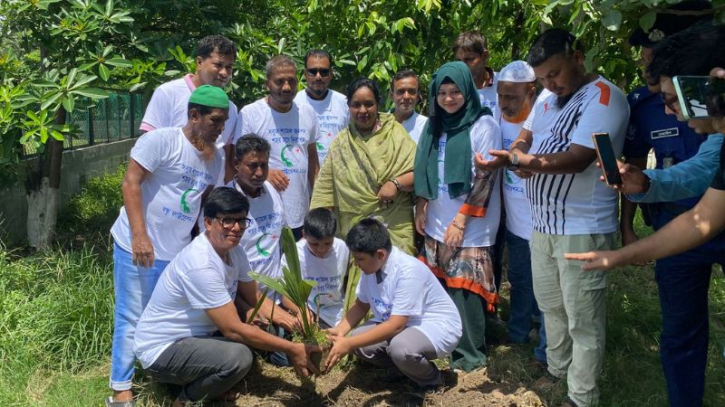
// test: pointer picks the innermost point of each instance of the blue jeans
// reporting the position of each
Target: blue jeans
(523, 303)
(132, 288)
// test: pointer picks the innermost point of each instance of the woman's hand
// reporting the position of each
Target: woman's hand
(421, 209)
(455, 231)
(387, 193)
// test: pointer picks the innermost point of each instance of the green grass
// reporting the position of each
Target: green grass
(56, 324)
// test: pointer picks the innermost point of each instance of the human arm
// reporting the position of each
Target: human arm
(229, 160)
(141, 246)
(686, 231)
(313, 164)
(251, 295)
(343, 345)
(629, 209)
(389, 190)
(226, 319)
(421, 210)
(323, 192)
(687, 179)
(521, 146)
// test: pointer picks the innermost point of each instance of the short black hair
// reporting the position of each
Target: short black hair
(693, 51)
(552, 42)
(215, 43)
(225, 200)
(470, 41)
(320, 223)
(278, 61)
(249, 143)
(319, 53)
(363, 82)
(402, 74)
(368, 236)
(202, 109)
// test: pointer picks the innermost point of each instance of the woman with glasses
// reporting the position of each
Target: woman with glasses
(369, 169)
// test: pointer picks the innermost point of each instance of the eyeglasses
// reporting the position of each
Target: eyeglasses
(669, 101)
(229, 223)
(314, 71)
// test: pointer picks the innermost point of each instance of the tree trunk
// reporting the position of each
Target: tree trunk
(42, 192)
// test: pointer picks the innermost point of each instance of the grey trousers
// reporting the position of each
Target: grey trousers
(205, 367)
(410, 351)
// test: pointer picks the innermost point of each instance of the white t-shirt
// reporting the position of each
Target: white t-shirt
(480, 232)
(332, 116)
(575, 204)
(171, 192)
(414, 125)
(518, 212)
(489, 98)
(410, 289)
(169, 107)
(289, 134)
(261, 240)
(197, 279)
(329, 272)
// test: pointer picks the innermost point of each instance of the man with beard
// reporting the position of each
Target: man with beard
(405, 91)
(329, 105)
(570, 208)
(215, 57)
(291, 129)
(516, 88)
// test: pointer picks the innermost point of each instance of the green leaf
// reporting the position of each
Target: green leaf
(69, 103)
(612, 20)
(93, 93)
(104, 72)
(119, 62)
(647, 21)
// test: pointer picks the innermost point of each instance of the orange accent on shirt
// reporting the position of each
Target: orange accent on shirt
(472, 210)
(605, 93)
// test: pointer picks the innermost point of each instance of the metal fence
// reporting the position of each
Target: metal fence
(103, 121)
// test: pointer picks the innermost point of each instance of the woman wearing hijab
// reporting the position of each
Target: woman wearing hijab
(458, 209)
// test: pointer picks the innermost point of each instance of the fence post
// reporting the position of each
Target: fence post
(91, 135)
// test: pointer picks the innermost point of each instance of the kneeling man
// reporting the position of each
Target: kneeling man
(175, 339)
(414, 320)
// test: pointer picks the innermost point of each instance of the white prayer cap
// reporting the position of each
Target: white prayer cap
(518, 72)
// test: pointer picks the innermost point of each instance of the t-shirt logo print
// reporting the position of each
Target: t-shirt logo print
(264, 243)
(184, 205)
(290, 155)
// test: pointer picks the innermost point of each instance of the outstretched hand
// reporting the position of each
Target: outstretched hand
(500, 159)
(340, 347)
(596, 261)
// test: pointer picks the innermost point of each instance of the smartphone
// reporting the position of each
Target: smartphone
(607, 159)
(700, 96)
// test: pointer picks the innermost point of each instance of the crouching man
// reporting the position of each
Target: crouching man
(175, 338)
(414, 320)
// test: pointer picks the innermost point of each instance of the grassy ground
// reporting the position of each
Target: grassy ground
(56, 323)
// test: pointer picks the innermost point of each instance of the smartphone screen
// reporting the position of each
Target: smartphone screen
(607, 159)
(693, 93)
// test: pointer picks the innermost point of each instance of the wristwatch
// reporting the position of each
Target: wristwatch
(514, 166)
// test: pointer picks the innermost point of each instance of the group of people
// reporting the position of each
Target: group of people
(413, 210)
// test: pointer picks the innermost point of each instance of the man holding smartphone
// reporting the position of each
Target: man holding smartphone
(683, 278)
(570, 209)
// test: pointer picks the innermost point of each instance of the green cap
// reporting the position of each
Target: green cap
(212, 96)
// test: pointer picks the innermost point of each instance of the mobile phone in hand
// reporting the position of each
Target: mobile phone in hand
(607, 159)
(700, 96)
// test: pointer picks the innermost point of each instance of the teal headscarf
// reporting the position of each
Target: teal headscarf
(457, 163)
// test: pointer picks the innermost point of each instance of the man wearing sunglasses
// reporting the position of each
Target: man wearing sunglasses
(330, 106)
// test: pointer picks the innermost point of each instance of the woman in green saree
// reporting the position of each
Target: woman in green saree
(368, 171)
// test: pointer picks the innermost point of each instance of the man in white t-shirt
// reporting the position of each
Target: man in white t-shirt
(330, 106)
(215, 56)
(516, 88)
(571, 209)
(170, 172)
(324, 259)
(292, 131)
(266, 215)
(414, 320)
(405, 92)
(176, 340)
(470, 48)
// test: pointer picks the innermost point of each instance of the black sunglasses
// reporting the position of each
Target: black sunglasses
(314, 71)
